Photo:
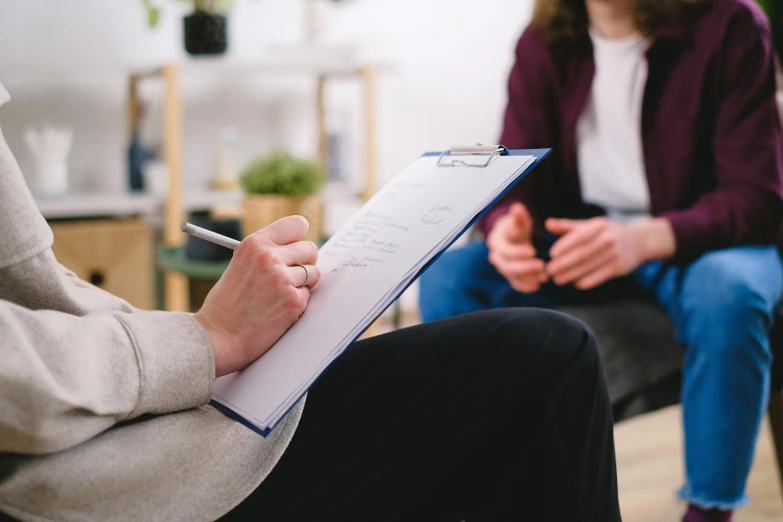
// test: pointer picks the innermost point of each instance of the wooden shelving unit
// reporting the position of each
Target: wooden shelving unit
(176, 273)
(322, 66)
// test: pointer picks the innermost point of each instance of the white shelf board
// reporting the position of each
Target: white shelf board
(73, 206)
(341, 202)
(94, 205)
(285, 60)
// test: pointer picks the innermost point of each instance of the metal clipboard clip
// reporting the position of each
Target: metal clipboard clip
(492, 151)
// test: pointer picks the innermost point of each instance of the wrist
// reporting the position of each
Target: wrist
(495, 215)
(221, 345)
(657, 238)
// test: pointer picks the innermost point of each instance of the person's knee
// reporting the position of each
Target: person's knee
(437, 274)
(725, 298)
(556, 335)
(729, 283)
(451, 271)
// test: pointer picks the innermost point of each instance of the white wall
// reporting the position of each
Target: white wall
(451, 57)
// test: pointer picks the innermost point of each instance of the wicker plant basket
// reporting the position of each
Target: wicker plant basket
(262, 210)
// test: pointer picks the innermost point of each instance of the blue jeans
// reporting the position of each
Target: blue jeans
(722, 307)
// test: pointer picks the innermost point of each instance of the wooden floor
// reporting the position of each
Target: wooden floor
(649, 461)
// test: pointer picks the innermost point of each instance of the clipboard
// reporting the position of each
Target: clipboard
(492, 151)
(455, 157)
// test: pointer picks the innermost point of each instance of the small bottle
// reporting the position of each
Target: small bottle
(137, 155)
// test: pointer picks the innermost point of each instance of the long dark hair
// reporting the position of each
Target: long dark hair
(564, 19)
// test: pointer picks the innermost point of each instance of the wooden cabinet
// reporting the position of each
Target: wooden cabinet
(114, 254)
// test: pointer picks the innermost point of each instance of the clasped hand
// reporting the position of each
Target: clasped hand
(593, 251)
(588, 253)
(260, 295)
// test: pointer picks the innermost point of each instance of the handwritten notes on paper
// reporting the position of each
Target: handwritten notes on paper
(365, 266)
(373, 236)
(434, 216)
(358, 245)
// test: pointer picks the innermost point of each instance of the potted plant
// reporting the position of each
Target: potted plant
(205, 29)
(280, 185)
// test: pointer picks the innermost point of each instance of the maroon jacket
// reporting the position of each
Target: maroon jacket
(710, 127)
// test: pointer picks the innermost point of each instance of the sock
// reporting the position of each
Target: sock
(696, 514)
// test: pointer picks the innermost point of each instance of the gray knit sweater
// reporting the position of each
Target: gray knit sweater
(103, 409)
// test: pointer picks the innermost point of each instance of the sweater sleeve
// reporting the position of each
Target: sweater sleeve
(65, 379)
(746, 206)
(75, 360)
(526, 122)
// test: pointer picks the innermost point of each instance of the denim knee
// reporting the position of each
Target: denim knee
(457, 268)
(450, 286)
(444, 272)
(725, 297)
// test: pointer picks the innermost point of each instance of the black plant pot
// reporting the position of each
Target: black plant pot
(206, 33)
(200, 250)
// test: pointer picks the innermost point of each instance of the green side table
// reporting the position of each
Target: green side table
(175, 260)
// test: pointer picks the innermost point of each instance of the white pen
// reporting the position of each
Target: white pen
(208, 235)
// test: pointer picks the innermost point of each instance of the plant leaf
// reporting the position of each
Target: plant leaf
(282, 174)
(153, 16)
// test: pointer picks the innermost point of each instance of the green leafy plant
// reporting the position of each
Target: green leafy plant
(154, 8)
(282, 174)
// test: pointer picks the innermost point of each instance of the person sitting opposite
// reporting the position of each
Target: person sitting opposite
(104, 409)
(666, 175)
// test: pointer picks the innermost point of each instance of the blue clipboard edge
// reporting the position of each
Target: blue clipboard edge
(539, 154)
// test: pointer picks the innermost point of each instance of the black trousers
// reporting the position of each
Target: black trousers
(494, 416)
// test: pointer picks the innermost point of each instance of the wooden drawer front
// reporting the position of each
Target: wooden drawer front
(116, 255)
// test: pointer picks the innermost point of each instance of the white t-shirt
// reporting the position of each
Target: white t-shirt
(609, 132)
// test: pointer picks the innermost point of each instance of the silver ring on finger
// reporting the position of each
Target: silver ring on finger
(307, 276)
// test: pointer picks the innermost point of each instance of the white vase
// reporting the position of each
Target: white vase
(318, 21)
(51, 180)
(50, 148)
(156, 178)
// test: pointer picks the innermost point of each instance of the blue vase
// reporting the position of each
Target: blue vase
(137, 157)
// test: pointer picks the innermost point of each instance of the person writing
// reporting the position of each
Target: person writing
(666, 177)
(104, 410)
